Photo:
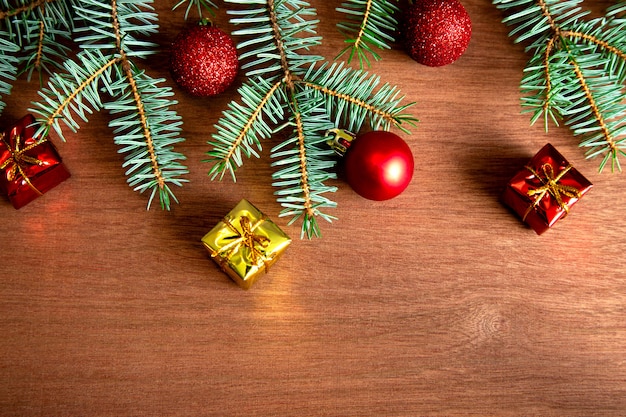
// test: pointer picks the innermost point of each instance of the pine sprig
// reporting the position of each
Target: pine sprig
(370, 25)
(288, 21)
(355, 97)
(147, 129)
(305, 164)
(47, 54)
(287, 90)
(8, 66)
(130, 23)
(37, 30)
(144, 125)
(244, 124)
(73, 92)
(576, 72)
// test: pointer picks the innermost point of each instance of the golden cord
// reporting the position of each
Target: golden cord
(39, 55)
(589, 38)
(366, 16)
(128, 73)
(24, 8)
(290, 82)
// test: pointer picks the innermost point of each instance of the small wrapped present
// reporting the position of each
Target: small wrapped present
(245, 243)
(29, 166)
(545, 190)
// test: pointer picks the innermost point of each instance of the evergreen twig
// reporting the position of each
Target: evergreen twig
(8, 66)
(38, 30)
(577, 70)
(370, 25)
(111, 35)
(288, 90)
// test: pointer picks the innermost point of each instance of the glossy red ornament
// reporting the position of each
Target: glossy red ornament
(436, 32)
(204, 60)
(379, 165)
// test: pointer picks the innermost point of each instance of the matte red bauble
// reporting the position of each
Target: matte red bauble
(204, 60)
(379, 165)
(436, 32)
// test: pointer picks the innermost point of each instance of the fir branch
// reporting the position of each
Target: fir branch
(305, 164)
(147, 129)
(282, 21)
(279, 18)
(602, 44)
(74, 92)
(576, 72)
(278, 37)
(243, 125)
(9, 10)
(286, 90)
(144, 126)
(371, 24)
(39, 28)
(47, 52)
(301, 173)
(8, 66)
(353, 96)
(129, 21)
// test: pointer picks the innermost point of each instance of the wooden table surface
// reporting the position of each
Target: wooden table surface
(438, 302)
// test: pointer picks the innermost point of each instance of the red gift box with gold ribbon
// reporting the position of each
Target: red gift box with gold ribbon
(544, 191)
(29, 166)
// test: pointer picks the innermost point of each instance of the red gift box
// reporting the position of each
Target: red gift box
(544, 191)
(29, 166)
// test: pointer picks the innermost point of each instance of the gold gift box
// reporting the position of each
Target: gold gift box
(245, 243)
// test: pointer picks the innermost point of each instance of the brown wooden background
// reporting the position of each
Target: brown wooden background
(439, 302)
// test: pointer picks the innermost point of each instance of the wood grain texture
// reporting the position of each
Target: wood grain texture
(439, 302)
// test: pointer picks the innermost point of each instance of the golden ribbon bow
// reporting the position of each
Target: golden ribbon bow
(246, 238)
(551, 186)
(13, 165)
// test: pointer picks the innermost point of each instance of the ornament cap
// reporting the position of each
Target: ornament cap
(205, 21)
(339, 140)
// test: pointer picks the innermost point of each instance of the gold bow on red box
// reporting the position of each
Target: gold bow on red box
(545, 190)
(29, 165)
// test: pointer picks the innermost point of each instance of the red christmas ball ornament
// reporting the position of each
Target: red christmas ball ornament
(436, 32)
(379, 165)
(203, 60)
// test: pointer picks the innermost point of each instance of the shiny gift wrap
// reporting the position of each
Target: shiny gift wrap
(544, 191)
(29, 166)
(245, 243)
